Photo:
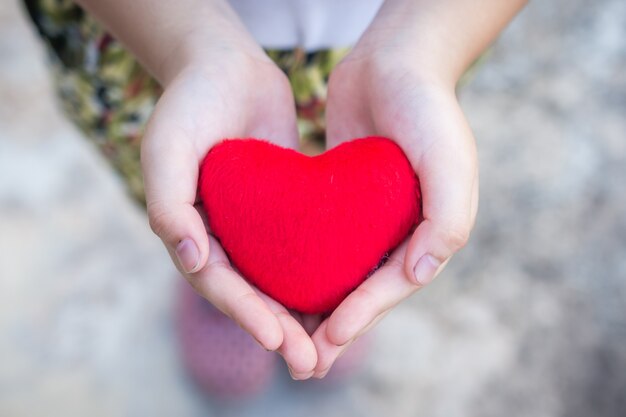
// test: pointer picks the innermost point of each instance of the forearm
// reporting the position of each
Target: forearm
(442, 37)
(168, 35)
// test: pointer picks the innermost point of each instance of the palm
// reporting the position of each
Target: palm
(245, 103)
(424, 118)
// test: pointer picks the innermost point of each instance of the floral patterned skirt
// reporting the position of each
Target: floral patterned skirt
(109, 96)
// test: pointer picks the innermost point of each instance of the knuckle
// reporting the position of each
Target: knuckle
(365, 296)
(284, 315)
(217, 267)
(456, 237)
(210, 276)
(393, 262)
(157, 223)
(159, 219)
(248, 297)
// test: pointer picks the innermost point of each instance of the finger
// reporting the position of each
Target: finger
(231, 294)
(297, 348)
(328, 353)
(376, 295)
(475, 197)
(448, 174)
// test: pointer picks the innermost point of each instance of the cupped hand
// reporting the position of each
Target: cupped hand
(386, 93)
(230, 94)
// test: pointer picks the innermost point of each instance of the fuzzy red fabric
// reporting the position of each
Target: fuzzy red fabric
(308, 230)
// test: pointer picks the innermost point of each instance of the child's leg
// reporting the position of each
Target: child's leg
(102, 88)
(221, 357)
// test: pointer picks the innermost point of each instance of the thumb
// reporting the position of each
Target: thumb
(448, 176)
(170, 172)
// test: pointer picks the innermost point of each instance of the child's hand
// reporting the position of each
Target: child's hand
(399, 82)
(424, 118)
(387, 91)
(218, 84)
(229, 95)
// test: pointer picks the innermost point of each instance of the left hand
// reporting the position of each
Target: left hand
(385, 94)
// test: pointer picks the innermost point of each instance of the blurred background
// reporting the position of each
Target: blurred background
(528, 320)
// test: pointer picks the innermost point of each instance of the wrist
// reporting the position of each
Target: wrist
(414, 66)
(442, 36)
(206, 52)
(167, 37)
(220, 42)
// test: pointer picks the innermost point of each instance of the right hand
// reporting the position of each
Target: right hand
(226, 94)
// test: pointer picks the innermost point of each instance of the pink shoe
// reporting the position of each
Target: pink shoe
(222, 358)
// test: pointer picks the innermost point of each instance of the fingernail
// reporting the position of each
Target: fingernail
(188, 255)
(425, 269)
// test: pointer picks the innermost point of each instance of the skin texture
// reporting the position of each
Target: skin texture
(398, 82)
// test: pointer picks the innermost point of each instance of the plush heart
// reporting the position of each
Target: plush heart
(308, 230)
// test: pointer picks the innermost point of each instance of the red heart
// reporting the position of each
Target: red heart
(308, 230)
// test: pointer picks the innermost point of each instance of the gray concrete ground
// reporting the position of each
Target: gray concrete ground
(529, 320)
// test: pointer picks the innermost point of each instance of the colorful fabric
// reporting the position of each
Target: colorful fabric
(110, 97)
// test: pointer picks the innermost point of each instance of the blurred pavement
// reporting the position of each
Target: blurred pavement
(529, 320)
